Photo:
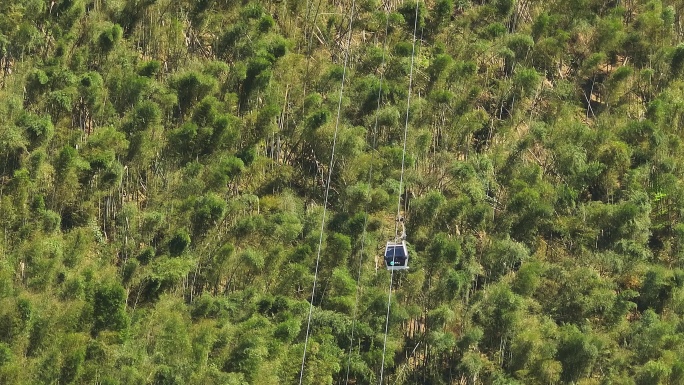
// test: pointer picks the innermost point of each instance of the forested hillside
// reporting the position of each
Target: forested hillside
(165, 167)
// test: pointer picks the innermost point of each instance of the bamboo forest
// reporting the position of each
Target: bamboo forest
(328, 192)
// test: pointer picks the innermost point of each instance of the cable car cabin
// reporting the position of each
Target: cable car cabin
(396, 256)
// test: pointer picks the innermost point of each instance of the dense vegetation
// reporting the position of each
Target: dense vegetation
(163, 166)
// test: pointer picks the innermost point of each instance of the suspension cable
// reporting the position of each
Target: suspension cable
(327, 192)
(401, 181)
(368, 194)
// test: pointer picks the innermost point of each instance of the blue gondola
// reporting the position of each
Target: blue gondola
(396, 256)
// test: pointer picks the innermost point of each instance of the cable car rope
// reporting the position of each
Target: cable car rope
(368, 194)
(327, 191)
(401, 181)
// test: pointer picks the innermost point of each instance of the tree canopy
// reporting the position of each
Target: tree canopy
(164, 166)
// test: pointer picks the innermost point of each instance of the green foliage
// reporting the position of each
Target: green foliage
(207, 211)
(39, 130)
(192, 87)
(149, 69)
(443, 10)
(109, 303)
(109, 37)
(146, 115)
(163, 166)
(179, 243)
(504, 7)
(677, 62)
(409, 10)
(576, 352)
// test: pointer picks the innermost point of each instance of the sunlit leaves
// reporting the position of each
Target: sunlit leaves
(161, 190)
(191, 87)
